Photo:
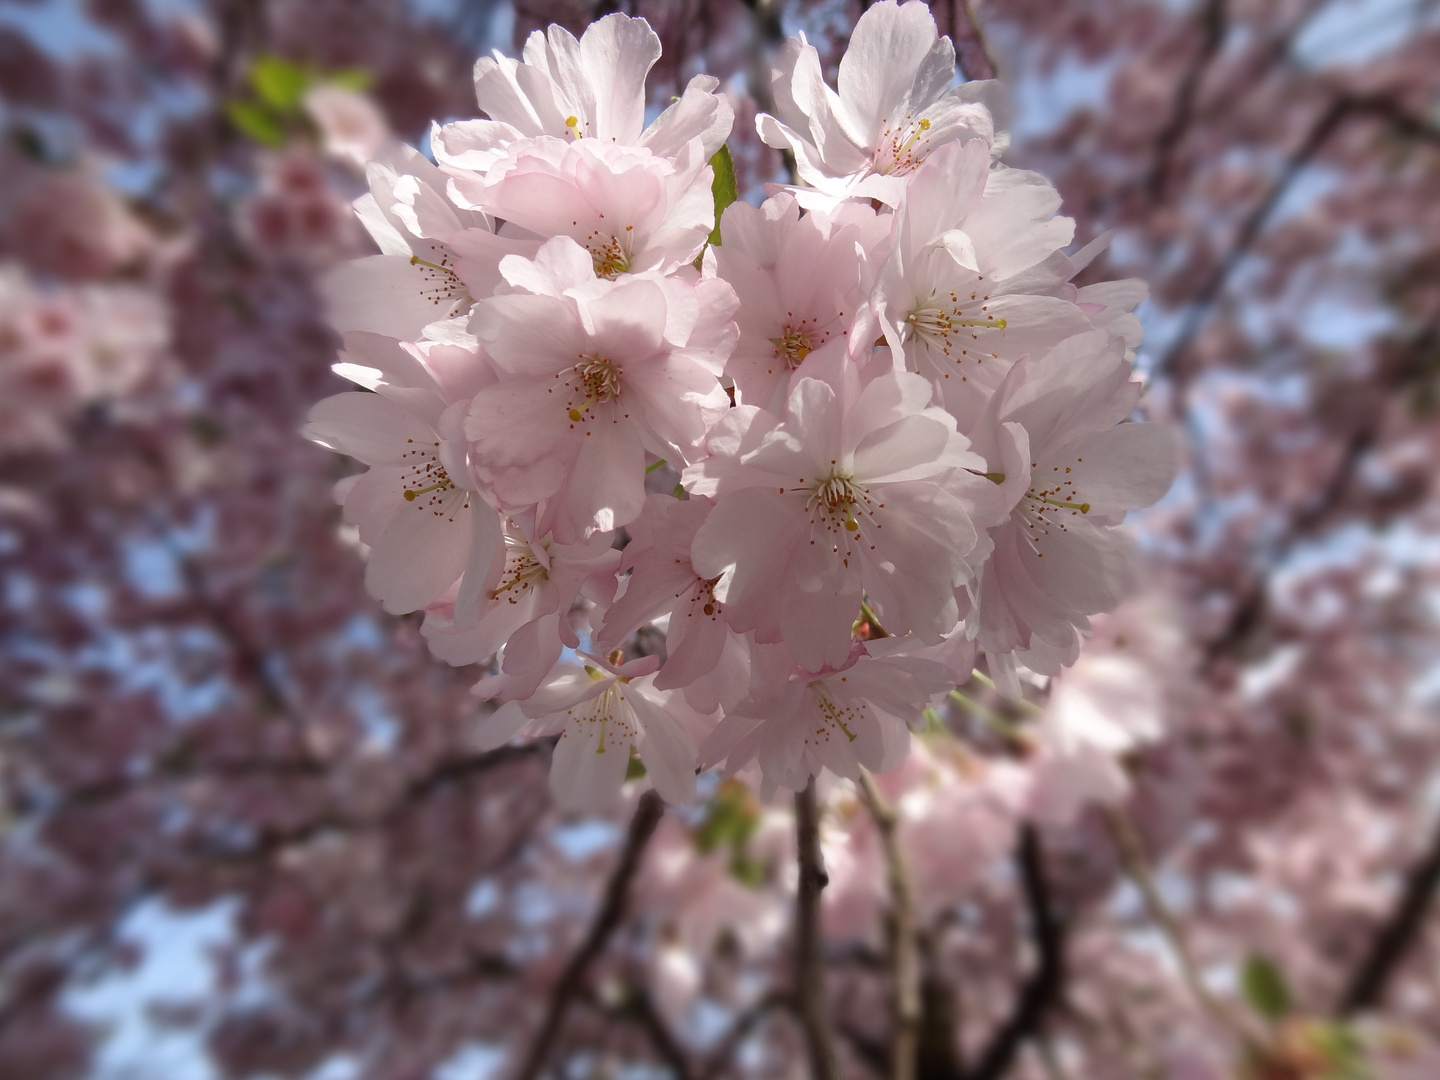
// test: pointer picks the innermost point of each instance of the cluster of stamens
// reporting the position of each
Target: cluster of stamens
(442, 286)
(523, 571)
(703, 594)
(425, 476)
(832, 715)
(836, 504)
(596, 378)
(797, 341)
(609, 254)
(1047, 507)
(901, 149)
(943, 326)
(616, 724)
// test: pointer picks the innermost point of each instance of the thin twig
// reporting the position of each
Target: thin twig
(1395, 936)
(740, 1030)
(1249, 231)
(606, 921)
(809, 965)
(1376, 106)
(1213, 22)
(1045, 985)
(1137, 867)
(904, 958)
(978, 38)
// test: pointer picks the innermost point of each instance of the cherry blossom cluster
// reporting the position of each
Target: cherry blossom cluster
(897, 432)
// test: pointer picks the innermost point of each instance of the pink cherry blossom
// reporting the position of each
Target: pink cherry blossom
(894, 107)
(600, 711)
(853, 492)
(969, 285)
(426, 526)
(801, 281)
(797, 722)
(520, 606)
(629, 208)
(595, 373)
(1058, 557)
(593, 88)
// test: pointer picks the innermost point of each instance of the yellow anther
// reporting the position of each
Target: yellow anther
(416, 260)
(411, 496)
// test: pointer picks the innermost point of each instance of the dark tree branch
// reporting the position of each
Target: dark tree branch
(1395, 935)
(1326, 124)
(606, 921)
(809, 960)
(639, 1009)
(1045, 985)
(904, 958)
(740, 1030)
(1245, 237)
(976, 35)
(1214, 22)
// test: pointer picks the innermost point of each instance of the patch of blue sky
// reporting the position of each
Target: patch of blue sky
(61, 29)
(175, 969)
(382, 729)
(581, 840)
(474, 1061)
(484, 898)
(152, 568)
(1355, 31)
(535, 904)
(1042, 101)
(360, 632)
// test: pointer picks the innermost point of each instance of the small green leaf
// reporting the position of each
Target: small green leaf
(356, 79)
(256, 121)
(1341, 1048)
(1265, 988)
(635, 770)
(724, 187)
(279, 82)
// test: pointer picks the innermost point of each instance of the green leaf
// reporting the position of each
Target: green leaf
(724, 187)
(1265, 988)
(1343, 1050)
(256, 121)
(356, 79)
(279, 82)
(635, 770)
(731, 816)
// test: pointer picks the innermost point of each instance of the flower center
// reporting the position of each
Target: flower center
(595, 377)
(608, 253)
(832, 715)
(601, 717)
(425, 480)
(902, 147)
(522, 571)
(704, 595)
(794, 344)
(1050, 507)
(836, 498)
(942, 325)
(440, 284)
